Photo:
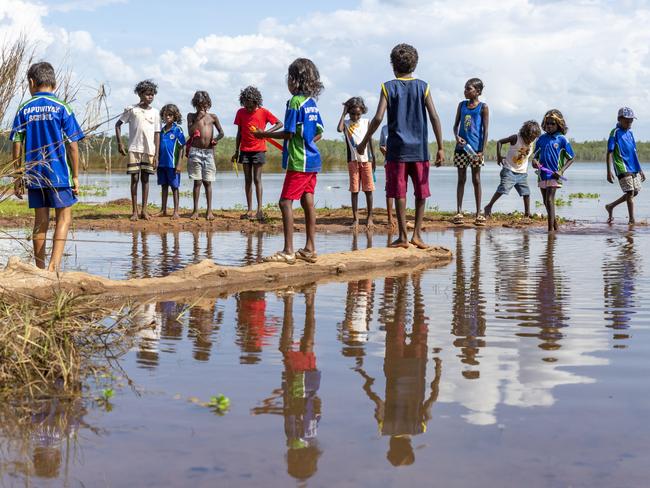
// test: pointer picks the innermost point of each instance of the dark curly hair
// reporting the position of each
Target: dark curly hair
(250, 94)
(530, 130)
(304, 78)
(404, 58)
(172, 110)
(356, 102)
(557, 116)
(477, 83)
(201, 99)
(146, 86)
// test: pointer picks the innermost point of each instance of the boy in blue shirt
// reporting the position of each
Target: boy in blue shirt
(170, 152)
(41, 126)
(622, 155)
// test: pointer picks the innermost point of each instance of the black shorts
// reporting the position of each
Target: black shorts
(252, 157)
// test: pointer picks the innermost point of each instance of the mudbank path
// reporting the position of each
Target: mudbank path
(209, 279)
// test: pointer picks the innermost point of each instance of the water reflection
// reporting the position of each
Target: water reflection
(404, 411)
(353, 331)
(254, 330)
(204, 321)
(297, 400)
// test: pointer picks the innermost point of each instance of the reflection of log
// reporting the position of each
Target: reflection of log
(212, 279)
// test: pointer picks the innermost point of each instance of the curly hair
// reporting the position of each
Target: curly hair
(146, 86)
(201, 99)
(530, 130)
(250, 94)
(477, 83)
(557, 116)
(356, 102)
(172, 110)
(304, 78)
(404, 58)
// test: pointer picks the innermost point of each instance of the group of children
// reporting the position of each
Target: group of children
(157, 141)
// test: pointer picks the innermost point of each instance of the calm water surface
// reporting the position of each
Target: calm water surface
(524, 362)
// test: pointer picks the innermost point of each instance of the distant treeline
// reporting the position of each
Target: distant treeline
(100, 153)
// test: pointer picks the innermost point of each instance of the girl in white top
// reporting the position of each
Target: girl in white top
(515, 165)
(360, 167)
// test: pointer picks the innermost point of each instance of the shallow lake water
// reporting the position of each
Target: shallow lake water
(523, 362)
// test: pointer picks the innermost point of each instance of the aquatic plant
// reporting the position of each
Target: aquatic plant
(581, 195)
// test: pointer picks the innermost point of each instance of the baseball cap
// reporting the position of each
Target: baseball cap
(626, 112)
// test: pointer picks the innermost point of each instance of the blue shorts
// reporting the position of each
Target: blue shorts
(518, 180)
(169, 176)
(51, 198)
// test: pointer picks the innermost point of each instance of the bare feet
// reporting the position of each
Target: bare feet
(370, 225)
(195, 215)
(246, 216)
(556, 226)
(399, 243)
(134, 217)
(417, 242)
(631, 221)
(162, 213)
(209, 216)
(487, 210)
(175, 216)
(145, 216)
(610, 213)
(260, 216)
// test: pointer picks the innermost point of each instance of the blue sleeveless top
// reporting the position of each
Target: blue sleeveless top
(471, 125)
(407, 139)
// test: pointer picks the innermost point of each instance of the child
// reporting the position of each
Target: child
(42, 125)
(552, 157)
(250, 152)
(471, 131)
(172, 141)
(200, 163)
(408, 102)
(303, 127)
(383, 137)
(144, 140)
(361, 171)
(515, 165)
(621, 150)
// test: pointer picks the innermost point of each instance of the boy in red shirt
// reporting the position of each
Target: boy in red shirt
(250, 151)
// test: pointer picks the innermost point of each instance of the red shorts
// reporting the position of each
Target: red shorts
(297, 183)
(397, 173)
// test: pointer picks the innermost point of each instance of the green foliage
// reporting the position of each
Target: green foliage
(584, 195)
(219, 404)
(92, 191)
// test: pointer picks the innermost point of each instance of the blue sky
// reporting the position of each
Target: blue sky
(584, 57)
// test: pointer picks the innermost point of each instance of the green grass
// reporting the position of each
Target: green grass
(584, 195)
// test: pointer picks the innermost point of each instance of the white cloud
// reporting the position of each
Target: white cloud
(85, 5)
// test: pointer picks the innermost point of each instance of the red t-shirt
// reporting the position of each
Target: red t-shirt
(259, 118)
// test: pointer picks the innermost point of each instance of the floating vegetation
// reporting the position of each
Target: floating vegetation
(584, 195)
(92, 191)
(559, 202)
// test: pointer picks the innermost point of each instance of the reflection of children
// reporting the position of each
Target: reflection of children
(252, 329)
(51, 183)
(360, 169)
(200, 163)
(514, 170)
(172, 141)
(358, 315)
(250, 152)
(471, 131)
(552, 157)
(621, 151)
(144, 140)
(303, 127)
(383, 138)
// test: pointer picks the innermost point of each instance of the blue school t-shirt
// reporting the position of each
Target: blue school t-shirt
(623, 148)
(171, 145)
(471, 125)
(407, 139)
(552, 151)
(43, 123)
(302, 119)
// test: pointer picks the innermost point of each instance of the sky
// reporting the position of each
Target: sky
(584, 57)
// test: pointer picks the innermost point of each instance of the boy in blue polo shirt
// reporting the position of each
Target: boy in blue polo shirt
(42, 125)
(622, 155)
(172, 141)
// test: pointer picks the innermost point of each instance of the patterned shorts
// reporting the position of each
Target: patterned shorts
(630, 182)
(464, 160)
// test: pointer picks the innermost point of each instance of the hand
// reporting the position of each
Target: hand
(259, 134)
(610, 178)
(234, 158)
(75, 185)
(19, 187)
(557, 175)
(155, 162)
(440, 157)
(361, 148)
(479, 156)
(500, 159)
(536, 164)
(179, 169)
(120, 149)
(642, 176)
(460, 141)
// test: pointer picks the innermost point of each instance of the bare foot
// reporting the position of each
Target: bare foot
(175, 216)
(260, 216)
(209, 216)
(610, 213)
(487, 210)
(134, 217)
(370, 224)
(162, 213)
(417, 242)
(355, 225)
(631, 221)
(195, 215)
(246, 216)
(145, 216)
(556, 226)
(399, 243)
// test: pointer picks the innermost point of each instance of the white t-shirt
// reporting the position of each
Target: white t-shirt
(143, 124)
(517, 158)
(354, 134)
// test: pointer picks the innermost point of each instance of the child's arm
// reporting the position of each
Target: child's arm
(217, 124)
(19, 182)
(341, 125)
(374, 123)
(235, 156)
(437, 130)
(280, 134)
(371, 149)
(156, 143)
(118, 136)
(571, 157)
(459, 140)
(485, 115)
(190, 124)
(74, 157)
(506, 140)
(609, 163)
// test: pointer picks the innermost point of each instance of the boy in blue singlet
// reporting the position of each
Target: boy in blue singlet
(41, 126)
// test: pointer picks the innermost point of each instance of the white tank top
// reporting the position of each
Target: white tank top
(517, 158)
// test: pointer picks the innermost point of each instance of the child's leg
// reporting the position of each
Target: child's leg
(630, 206)
(257, 179)
(63, 220)
(389, 212)
(460, 188)
(135, 179)
(526, 205)
(39, 234)
(550, 202)
(286, 207)
(419, 215)
(400, 213)
(369, 209)
(196, 193)
(144, 177)
(163, 198)
(354, 197)
(307, 202)
(207, 185)
(488, 208)
(476, 181)
(248, 184)
(176, 197)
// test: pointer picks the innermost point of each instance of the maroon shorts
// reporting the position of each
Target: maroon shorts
(297, 183)
(397, 173)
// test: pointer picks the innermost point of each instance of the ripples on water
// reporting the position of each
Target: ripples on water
(522, 362)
